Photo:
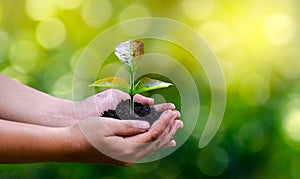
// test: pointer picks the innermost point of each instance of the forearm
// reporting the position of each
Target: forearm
(26, 143)
(24, 104)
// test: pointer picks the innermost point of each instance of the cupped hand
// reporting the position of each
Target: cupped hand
(123, 142)
(95, 105)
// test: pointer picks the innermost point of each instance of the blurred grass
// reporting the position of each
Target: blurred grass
(257, 43)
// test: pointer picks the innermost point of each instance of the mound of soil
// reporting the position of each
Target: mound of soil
(141, 112)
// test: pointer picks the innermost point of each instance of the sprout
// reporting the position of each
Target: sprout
(130, 53)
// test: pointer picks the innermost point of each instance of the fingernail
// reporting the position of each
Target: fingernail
(172, 106)
(179, 125)
(178, 114)
(144, 124)
(151, 100)
(172, 143)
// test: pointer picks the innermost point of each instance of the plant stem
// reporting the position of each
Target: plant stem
(131, 104)
(131, 92)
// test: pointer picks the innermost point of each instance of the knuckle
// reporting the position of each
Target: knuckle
(128, 153)
(154, 135)
(170, 106)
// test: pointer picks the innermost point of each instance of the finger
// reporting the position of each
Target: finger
(165, 106)
(156, 129)
(163, 124)
(167, 129)
(172, 143)
(124, 127)
(144, 100)
(167, 141)
(161, 120)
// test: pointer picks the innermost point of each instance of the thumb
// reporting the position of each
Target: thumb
(144, 100)
(125, 127)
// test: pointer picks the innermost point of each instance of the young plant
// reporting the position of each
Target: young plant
(130, 54)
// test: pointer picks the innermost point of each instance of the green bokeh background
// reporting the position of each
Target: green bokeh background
(256, 42)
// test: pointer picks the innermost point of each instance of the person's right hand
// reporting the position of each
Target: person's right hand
(123, 142)
(94, 106)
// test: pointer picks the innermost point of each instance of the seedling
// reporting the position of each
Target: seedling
(130, 54)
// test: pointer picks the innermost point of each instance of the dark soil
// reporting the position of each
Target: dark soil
(141, 112)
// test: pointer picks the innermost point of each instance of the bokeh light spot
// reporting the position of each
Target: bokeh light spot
(75, 58)
(278, 29)
(198, 9)
(286, 62)
(291, 119)
(1, 14)
(51, 33)
(96, 13)
(216, 34)
(158, 99)
(4, 43)
(113, 69)
(255, 89)
(133, 12)
(15, 73)
(63, 87)
(68, 4)
(24, 54)
(250, 137)
(40, 10)
(213, 161)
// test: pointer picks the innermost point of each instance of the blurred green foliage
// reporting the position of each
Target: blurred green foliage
(257, 43)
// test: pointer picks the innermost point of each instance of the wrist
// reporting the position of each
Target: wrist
(85, 109)
(80, 148)
(63, 113)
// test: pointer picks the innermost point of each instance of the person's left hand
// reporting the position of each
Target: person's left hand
(122, 142)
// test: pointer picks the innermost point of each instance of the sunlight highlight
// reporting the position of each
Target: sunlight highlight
(24, 55)
(62, 87)
(68, 4)
(16, 74)
(51, 33)
(278, 29)
(198, 10)
(133, 12)
(291, 123)
(4, 41)
(216, 34)
(286, 62)
(40, 10)
(1, 14)
(96, 13)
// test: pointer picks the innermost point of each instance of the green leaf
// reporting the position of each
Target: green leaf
(148, 84)
(112, 82)
(130, 53)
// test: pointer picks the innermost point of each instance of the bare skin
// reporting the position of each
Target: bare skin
(36, 127)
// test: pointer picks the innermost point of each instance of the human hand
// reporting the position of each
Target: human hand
(95, 105)
(123, 142)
